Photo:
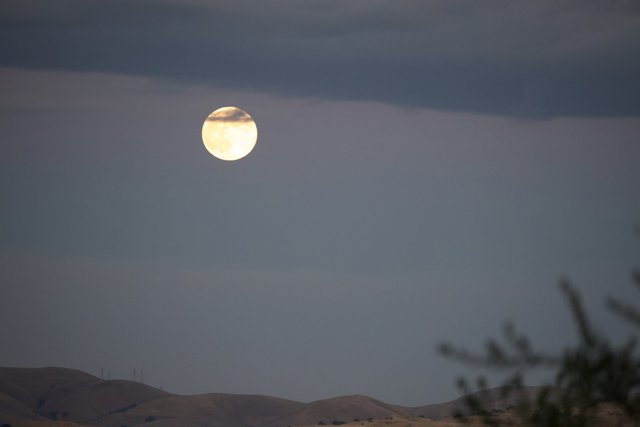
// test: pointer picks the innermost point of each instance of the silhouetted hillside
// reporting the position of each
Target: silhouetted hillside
(491, 399)
(37, 396)
(67, 394)
(345, 408)
(205, 410)
(14, 412)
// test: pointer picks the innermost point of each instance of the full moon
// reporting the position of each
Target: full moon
(229, 133)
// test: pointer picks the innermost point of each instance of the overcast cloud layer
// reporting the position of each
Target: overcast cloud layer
(515, 58)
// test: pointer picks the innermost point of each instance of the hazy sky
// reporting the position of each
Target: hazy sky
(424, 170)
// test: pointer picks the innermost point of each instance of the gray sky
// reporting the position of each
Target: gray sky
(424, 171)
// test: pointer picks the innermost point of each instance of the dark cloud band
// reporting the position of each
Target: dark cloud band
(231, 115)
(514, 58)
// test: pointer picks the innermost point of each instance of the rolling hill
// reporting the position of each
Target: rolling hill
(70, 395)
(60, 396)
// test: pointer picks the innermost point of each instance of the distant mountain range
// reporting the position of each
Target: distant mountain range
(60, 396)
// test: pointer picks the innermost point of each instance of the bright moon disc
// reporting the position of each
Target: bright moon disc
(229, 133)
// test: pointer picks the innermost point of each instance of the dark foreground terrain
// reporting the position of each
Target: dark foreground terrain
(59, 396)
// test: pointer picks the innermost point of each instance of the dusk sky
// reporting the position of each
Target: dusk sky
(424, 171)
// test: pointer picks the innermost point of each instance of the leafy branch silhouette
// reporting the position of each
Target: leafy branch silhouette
(593, 373)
